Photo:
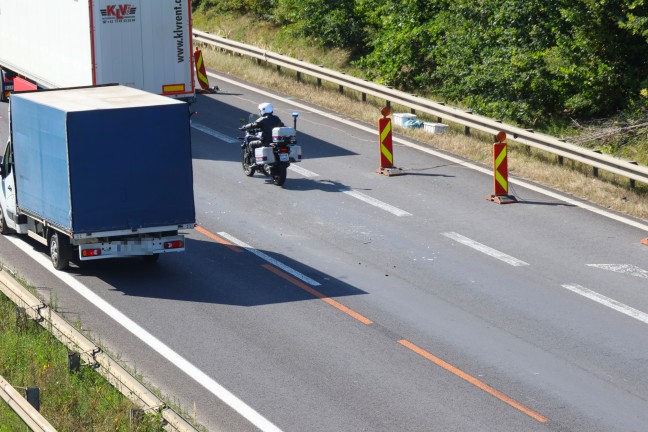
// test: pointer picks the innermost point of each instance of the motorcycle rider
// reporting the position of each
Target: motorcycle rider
(266, 122)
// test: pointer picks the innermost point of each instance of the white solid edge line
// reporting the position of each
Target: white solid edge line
(376, 203)
(606, 301)
(181, 363)
(452, 159)
(269, 259)
(485, 249)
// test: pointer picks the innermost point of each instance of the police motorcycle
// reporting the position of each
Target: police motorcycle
(274, 159)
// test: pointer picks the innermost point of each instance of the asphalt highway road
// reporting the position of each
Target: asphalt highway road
(347, 300)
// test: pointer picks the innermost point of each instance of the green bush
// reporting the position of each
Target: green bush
(533, 62)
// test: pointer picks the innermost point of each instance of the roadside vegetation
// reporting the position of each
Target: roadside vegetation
(72, 402)
(622, 133)
(561, 67)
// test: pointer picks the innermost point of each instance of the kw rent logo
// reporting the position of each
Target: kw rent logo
(179, 29)
(121, 13)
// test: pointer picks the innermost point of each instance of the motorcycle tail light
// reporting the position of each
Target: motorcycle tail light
(284, 150)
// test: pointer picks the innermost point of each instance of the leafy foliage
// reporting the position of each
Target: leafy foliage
(261, 8)
(529, 61)
(328, 22)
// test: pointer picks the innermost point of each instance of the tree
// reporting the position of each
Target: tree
(524, 60)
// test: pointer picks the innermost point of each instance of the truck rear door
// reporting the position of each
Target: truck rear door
(146, 44)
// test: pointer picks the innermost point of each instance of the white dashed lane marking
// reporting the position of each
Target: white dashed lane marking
(606, 301)
(485, 249)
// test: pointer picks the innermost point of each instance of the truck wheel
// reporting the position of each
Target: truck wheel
(60, 251)
(4, 229)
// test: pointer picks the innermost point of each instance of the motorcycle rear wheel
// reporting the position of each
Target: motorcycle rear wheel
(248, 169)
(279, 175)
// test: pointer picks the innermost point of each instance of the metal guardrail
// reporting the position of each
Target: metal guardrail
(561, 148)
(90, 353)
(27, 413)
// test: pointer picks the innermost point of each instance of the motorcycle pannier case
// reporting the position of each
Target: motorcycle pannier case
(283, 135)
(295, 153)
(264, 155)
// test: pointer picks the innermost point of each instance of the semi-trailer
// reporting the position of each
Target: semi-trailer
(145, 44)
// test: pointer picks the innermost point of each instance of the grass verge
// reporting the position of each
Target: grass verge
(75, 402)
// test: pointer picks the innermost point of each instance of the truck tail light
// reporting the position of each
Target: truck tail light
(174, 244)
(90, 252)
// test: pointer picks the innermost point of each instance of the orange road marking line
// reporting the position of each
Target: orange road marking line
(218, 239)
(474, 381)
(318, 294)
(420, 351)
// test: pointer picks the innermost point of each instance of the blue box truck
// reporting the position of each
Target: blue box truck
(98, 172)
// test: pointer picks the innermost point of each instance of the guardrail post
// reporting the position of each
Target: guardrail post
(632, 181)
(500, 173)
(74, 361)
(467, 131)
(136, 416)
(412, 110)
(32, 394)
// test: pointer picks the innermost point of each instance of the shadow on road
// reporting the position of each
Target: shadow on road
(209, 272)
(546, 203)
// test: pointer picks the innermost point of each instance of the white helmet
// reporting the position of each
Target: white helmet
(265, 108)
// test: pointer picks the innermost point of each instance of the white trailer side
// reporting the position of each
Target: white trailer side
(145, 44)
